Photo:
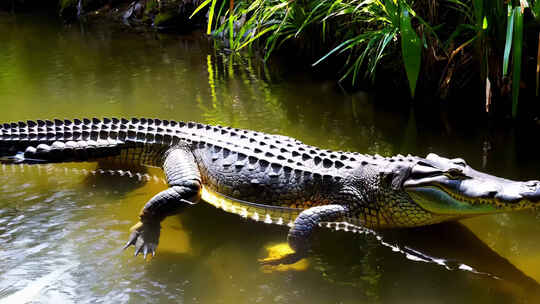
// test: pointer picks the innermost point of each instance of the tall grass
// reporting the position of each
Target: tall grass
(416, 36)
(361, 33)
(361, 30)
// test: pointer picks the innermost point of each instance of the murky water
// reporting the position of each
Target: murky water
(62, 226)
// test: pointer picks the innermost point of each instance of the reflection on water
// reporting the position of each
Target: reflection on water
(76, 216)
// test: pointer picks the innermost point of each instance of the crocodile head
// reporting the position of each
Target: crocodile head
(449, 188)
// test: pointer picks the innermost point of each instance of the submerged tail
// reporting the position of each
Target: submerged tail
(74, 140)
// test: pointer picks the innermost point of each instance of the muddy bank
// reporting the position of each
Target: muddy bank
(162, 15)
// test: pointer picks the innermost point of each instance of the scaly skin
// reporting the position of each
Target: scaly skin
(270, 177)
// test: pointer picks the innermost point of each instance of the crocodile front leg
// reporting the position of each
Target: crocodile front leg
(300, 233)
(184, 190)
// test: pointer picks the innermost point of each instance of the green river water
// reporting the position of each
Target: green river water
(62, 226)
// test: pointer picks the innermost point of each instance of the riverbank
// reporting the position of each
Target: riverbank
(448, 52)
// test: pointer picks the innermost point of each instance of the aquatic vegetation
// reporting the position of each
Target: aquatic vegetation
(436, 38)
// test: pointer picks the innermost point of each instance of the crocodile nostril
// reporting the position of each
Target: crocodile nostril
(533, 184)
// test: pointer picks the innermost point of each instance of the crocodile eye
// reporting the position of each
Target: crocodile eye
(455, 173)
(460, 162)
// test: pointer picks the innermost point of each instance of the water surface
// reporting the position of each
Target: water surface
(62, 226)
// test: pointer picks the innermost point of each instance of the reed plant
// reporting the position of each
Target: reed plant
(409, 32)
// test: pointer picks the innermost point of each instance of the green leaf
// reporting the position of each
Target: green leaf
(211, 17)
(334, 50)
(411, 49)
(392, 9)
(509, 35)
(257, 36)
(536, 10)
(462, 8)
(309, 18)
(478, 10)
(200, 7)
(231, 29)
(516, 58)
(458, 32)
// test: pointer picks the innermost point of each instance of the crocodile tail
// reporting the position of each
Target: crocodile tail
(8, 145)
(58, 140)
(136, 141)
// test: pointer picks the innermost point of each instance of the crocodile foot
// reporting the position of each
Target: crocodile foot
(145, 238)
(287, 259)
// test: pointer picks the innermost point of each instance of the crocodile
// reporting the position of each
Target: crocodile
(269, 178)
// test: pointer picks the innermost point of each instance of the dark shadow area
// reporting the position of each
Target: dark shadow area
(25, 6)
(119, 180)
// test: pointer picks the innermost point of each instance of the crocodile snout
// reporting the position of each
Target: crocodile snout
(532, 194)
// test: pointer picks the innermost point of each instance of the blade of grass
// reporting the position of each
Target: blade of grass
(211, 17)
(462, 7)
(478, 12)
(536, 10)
(200, 7)
(508, 43)
(219, 13)
(309, 18)
(411, 49)
(257, 36)
(384, 40)
(391, 9)
(337, 48)
(516, 59)
(231, 24)
(488, 94)
(274, 37)
(460, 29)
(538, 66)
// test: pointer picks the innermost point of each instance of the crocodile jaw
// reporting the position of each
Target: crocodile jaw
(433, 186)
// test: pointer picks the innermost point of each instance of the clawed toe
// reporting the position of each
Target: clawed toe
(132, 239)
(144, 238)
(285, 260)
(146, 249)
